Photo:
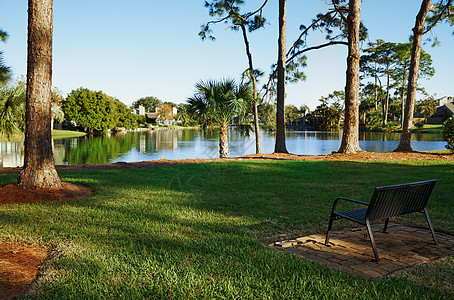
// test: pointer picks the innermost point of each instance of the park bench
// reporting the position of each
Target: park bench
(387, 202)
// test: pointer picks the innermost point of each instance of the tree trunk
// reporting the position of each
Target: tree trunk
(254, 87)
(350, 136)
(39, 170)
(224, 140)
(402, 115)
(386, 109)
(418, 31)
(280, 146)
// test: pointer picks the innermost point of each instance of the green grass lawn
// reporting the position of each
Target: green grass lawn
(64, 134)
(56, 134)
(200, 230)
(430, 128)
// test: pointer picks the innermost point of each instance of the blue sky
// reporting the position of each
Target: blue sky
(137, 48)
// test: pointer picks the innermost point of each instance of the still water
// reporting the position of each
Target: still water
(192, 143)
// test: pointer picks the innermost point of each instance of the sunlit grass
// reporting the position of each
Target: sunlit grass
(200, 230)
(64, 134)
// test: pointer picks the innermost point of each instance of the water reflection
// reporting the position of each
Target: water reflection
(190, 143)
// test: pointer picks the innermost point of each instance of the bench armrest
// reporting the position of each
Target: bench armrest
(346, 199)
(352, 200)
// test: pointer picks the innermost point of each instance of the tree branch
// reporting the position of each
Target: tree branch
(340, 12)
(307, 29)
(447, 7)
(315, 48)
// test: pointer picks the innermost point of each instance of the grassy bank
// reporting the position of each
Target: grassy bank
(65, 134)
(429, 128)
(56, 134)
(199, 230)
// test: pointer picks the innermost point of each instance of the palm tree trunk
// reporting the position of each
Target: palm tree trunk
(224, 140)
(280, 146)
(418, 31)
(350, 136)
(39, 170)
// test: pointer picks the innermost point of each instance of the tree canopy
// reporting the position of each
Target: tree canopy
(5, 72)
(97, 112)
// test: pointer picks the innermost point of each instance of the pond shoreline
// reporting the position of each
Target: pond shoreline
(361, 156)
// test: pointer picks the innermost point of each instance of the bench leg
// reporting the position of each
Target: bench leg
(430, 226)
(372, 241)
(330, 225)
(386, 225)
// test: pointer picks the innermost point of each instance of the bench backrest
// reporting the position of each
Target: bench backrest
(396, 200)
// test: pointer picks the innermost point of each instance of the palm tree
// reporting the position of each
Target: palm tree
(217, 103)
(12, 110)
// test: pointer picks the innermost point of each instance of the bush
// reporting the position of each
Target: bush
(419, 125)
(448, 133)
(392, 126)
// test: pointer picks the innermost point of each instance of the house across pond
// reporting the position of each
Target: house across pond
(445, 109)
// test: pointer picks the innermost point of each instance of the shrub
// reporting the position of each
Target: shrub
(448, 133)
(392, 126)
(419, 125)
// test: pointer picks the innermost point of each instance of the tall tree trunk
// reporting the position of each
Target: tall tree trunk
(280, 146)
(254, 87)
(350, 136)
(402, 101)
(375, 88)
(39, 170)
(224, 140)
(386, 110)
(418, 31)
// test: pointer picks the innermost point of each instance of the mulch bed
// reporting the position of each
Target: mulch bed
(19, 263)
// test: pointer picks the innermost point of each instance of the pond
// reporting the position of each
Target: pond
(194, 143)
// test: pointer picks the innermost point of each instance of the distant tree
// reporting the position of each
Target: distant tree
(228, 11)
(330, 110)
(183, 115)
(39, 171)
(379, 61)
(125, 118)
(426, 107)
(391, 61)
(304, 109)
(292, 114)
(217, 103)
(56, 109)
(150, 103)
(267, 114)
(448, 133)
(94, 111)
(5, 72)
(165, 112)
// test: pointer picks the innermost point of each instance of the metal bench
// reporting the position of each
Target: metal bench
(387, 202)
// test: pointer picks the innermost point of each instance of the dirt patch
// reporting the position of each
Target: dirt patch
(19, 263)
(12, 194)
(18, 268)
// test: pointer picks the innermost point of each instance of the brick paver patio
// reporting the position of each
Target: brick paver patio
(350, 249)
